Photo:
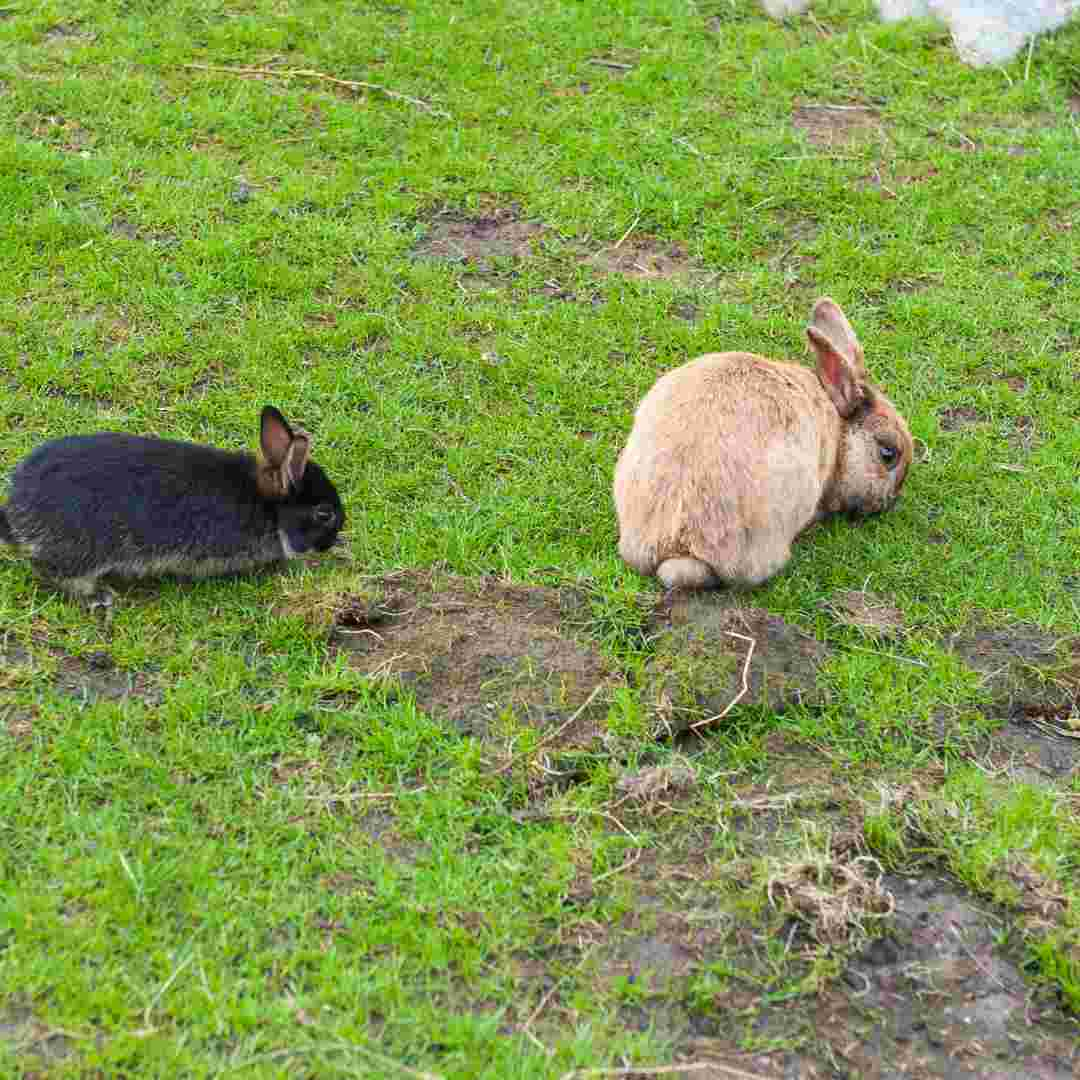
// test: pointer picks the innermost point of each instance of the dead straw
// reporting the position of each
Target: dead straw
(307, 73)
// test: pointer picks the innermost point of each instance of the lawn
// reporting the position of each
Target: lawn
(467, 797)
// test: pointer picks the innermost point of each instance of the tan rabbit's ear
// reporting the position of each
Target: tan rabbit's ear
(285, 454)
(828, 318)
(837, 374)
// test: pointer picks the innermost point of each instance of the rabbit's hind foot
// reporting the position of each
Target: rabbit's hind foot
(89, 590)
(686, 574)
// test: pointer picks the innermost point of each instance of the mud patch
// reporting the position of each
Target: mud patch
(95, 677)
(711, 653)
(942, 998)
(1025, 669)
(483, 655)
(573, 90)
(890, 184)
(1023, 433)
(1033, 754)
(88, 678)
(958, 417)
(23, 1033)
(864, 611)
(835, 125)
(646, 257)
(1033, 680)
(475, 241)
(63, 33)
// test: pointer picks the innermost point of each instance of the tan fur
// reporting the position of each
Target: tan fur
(732, 455)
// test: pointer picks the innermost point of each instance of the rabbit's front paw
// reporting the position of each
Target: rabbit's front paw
(102, 597)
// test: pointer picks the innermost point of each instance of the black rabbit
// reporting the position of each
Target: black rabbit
(90, 505)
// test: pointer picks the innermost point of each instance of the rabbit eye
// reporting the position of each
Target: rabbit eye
(324, 515)
(888, 454)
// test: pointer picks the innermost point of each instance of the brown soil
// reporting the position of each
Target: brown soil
(703, 662)
(835, 125)
(64, 32)
(90, 677)
(871, 614)
(473, 241)
(479, 653)
(1023, 667)
(646, 257)
(959, 417)
(929, 990)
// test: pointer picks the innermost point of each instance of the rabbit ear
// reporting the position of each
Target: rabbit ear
(831, 321)
(285, 454)
(296, 457)
(275, 436)
(836, 374)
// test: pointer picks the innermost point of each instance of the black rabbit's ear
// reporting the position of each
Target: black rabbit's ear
(296, 457)
(285, 455)
(275, 436)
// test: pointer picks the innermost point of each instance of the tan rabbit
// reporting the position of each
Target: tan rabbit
(732, 455)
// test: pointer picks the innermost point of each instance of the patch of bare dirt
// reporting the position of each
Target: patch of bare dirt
(648, 784)
(1033, 753)
(891, 184)
(578, 89)
(95, 677)
(646, 257)
(988, 374)
(1023, 433)
(926, 989)
(1023, 667)
(23, 1033)
(121, 226)
(90, 677)
(60, 132)
(835, 125)
(473, 241)
(864, 611)
(1034, 682)
(61, 33)
(686, 310)
(710, 652)
(473, 652)
(958, 417)
(936, 996)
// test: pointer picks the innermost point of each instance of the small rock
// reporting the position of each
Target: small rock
(242, 193)
(880, 952)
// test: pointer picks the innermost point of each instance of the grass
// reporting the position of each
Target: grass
(227, 852)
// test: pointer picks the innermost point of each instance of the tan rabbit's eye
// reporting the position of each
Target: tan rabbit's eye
(889, 455)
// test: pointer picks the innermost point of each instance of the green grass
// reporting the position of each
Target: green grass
(196, 879)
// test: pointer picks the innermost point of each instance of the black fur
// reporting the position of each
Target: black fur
(88, 505)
